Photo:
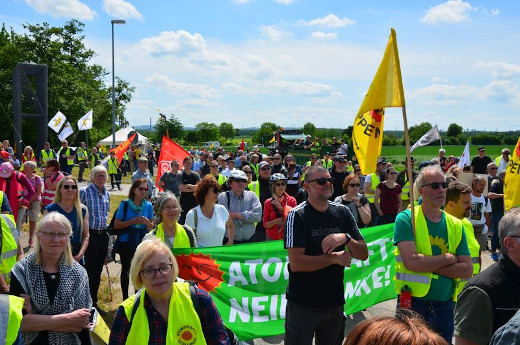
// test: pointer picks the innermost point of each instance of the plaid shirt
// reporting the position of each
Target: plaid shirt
(98, 205)
(210, 319)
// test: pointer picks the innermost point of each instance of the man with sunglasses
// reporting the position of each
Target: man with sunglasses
(321, 238)
(338, 173)
(142, 173)
(490, 299)
(430, 255)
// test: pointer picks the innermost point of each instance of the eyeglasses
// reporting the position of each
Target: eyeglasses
(436, 185)
(266, 168)
(53, 235)
(357, 170)
(354, 184)
(322, 180)
(276, 159)
(70, 186)
(493, 168)
(143, 189)
(164, 270)
(213, 166)
(216, 190)
(393, 173)
(280, 184)
(247, 172)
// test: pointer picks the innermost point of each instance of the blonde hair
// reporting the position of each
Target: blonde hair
(146, 250)
(43, 224)
(77, 204)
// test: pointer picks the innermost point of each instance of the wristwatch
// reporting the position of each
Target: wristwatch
(348, 237)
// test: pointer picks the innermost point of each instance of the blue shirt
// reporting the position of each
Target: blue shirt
(139, 174)
(75, 237)
(147, 211)
(98, 205)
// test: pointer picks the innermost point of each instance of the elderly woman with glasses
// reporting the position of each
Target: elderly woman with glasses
(66, 202)
(387, 198)
(210, 219)
(54, 286)
(134, 219)
(162, 310)
(167, 210)
(355, 201)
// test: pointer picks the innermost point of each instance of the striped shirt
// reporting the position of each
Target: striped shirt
(98, 205)
(250, 208)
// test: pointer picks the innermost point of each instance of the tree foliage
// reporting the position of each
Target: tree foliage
(485, 139)
(309, 129)
(417, 131)
(454, 130)
(171, 126)
(75, 84)
(206, 131)
(226, 130)
(265, 133)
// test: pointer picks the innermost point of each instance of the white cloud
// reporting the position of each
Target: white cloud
(179, 43)
(286, 2)
(331, 21)
(62, 8)
(241, 1)
(176, 88)
(500, 69)
(492, 13)
(452, 11)
(437, 80)
(323, 36)
(121, 9)
(274, 34)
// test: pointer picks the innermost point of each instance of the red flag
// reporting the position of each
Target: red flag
(170, 150)
(243, 145)
(121, 149)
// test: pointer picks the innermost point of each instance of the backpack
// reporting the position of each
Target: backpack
(111, 229)
(233, 340)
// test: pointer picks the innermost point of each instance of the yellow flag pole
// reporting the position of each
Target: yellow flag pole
(409, 167)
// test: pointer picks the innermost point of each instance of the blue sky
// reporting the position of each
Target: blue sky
(294, 61)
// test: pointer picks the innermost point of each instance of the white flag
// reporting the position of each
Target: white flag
(57, 121)
(67, 130)
(464, 159)
(85, 122)
(428, 137)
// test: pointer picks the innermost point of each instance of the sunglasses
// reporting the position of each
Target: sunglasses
(357, 170)
(216, 190)
(276, 159)
(436, 185)
(266, 168)
(70, 186)
(213, 166)
(280, 184)
(143, 189)
(322, 180)
(247, 172)
(393, 173)
(354, 184)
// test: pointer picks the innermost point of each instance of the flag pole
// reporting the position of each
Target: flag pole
(409, 167)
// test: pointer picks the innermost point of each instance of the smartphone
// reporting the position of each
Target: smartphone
(92, 312)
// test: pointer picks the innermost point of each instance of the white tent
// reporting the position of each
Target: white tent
(122, 136)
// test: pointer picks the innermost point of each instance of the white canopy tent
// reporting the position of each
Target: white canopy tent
(122, 136)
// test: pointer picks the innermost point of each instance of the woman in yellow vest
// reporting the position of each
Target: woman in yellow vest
(167, 210)
(27, 155)
(163, 308)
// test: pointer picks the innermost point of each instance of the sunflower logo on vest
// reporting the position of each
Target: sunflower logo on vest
(187, 335)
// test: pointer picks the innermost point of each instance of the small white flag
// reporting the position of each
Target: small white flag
(464, 159)
(85, 122)
(57, 121)
(67, 130)
(428, 137)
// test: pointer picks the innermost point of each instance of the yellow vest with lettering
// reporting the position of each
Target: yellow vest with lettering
(181, 239)
(474, 250)
(9, 244)
(419, 282)
(11, 306)
(183, 322)
(375, 182)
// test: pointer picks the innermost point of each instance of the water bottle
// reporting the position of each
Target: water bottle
(406, 297)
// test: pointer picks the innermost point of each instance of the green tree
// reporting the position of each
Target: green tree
(309, 129)
(226, 130)
(172, 124)
(454, 130)
(416, 132)
(192, 137)
(207, 131)
(265, 133)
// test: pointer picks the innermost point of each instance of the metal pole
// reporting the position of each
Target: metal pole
(113, 93)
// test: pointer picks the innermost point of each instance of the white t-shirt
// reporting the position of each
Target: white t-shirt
(210, 232)
(343, 149)
(478, 210)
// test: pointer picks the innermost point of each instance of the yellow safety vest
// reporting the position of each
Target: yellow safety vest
(11, 306)
(255, 187)
(46, 156)
(255, 168)
(375, 182)
(181, 237)
(82, 155)
(327, 165)
(69, 161)
(474, 250)
(25, 158)
(9, 245)
(183, 322)
(94, 157)
(221, 178)
(112, 166)
(405, 190)
(419, 282)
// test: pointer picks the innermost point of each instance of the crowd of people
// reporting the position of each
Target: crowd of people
(318, 209)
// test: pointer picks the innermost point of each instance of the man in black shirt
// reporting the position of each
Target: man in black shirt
(480, 162)
(317, 236)
(187, 182)
(339, 174)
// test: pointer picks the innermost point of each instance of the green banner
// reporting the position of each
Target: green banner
(248, 282)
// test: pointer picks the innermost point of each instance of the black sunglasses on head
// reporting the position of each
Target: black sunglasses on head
(436, 185)
(322, 180)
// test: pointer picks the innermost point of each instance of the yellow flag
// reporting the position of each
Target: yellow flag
(386, 90)
(512, 180)
(272, 139)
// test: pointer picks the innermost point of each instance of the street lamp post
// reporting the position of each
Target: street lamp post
(114, 21)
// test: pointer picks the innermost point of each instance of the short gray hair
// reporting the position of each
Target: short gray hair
(30, 164)
(509, 226)
(429, 169)
(96, 170)
(161, 202)
(314, 169)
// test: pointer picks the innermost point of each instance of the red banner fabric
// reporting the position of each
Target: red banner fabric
(121, 149)
(170, 151)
